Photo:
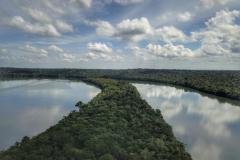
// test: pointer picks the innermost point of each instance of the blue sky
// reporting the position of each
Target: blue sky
(169, 34)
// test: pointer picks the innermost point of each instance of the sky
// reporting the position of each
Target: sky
(113, 34)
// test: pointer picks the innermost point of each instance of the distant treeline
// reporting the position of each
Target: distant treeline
(116, 125)
(220, 83)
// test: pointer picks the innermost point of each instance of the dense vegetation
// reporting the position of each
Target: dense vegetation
(116, 125)
(221, 83)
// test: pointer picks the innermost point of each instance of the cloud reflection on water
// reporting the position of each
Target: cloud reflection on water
(210, 128)
(28, 107)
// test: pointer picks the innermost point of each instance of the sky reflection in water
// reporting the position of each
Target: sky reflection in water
(29, 107)
(209, 128)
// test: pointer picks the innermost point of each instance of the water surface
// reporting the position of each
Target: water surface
(28, 107)
(209, 126)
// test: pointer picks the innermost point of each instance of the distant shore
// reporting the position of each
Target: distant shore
(219, 83)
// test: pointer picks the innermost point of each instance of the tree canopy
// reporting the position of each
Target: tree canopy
(115, 125)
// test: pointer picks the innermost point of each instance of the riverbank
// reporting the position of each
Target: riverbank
(116, 124)
(220, 83)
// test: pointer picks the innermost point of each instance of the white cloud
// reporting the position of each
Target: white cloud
(39, 15)
(221, 35)
(68, 57)
(165, 51)
(52, 18)
(128, 29)
(223, 17)
(134, 30)
(165, 17)
(212, 3)
(173, 17)
(137, 29)
(184, 17)
(44, 25)
(169, 34)
(34, 49)
(46, 18)
(99, 47)
(101, 51)
(55, 48)
(34, 53)
(169, 50)
(104, 28)
(63, 26)
(53, 7)
(39, 51)
(44, 30)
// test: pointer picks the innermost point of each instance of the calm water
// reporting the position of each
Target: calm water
(210, 128)
(28, 107)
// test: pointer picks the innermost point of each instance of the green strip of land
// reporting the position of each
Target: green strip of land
(115, 125)
(220, 83)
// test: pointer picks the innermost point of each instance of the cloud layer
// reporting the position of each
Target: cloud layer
(120, 33)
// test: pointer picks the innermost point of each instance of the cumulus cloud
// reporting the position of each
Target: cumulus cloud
(184, 17)
(39, 15)
(62, 55)
(212, 3)
(169, 50)
(169, 34)
(54, 8)
(99, 47)
(221, 35)
(34, 49)
(128, 29)
(35, 54)
(101, 51)
(165, 51)
(45, 18)
(68, 57)
(64, 7)
(44, 25)
(63, 26)
(44, 30)
(55, 48)
(138, 29)
(134, 29)
(171, 17)
(103, 28)
(224, 17)
(39, 51)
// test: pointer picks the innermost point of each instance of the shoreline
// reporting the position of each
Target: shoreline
(195, 80)
(118, 110)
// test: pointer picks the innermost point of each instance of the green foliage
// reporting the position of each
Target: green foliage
(107, 157)
(79, 104)
(221, 83)
(116, 125)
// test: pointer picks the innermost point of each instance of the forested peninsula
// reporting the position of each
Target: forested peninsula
(115, 125)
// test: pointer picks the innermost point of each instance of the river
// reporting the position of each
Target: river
(209, 126)
(28, 107)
